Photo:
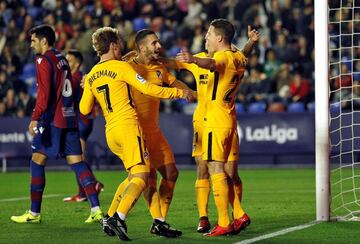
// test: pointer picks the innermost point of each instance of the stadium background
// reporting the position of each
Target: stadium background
(277, 90)
(276, 125)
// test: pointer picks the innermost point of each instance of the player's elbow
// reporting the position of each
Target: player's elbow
(84, 109)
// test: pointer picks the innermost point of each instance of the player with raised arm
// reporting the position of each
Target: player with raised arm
(202, 184)
(109, 83)
(54, 125)
(220, 145)
(75, 60)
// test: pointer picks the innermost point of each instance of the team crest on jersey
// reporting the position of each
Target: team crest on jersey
(146, 155)
(158, 73)
(139, 78)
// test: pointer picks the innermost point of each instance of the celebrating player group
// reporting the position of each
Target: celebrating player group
(128, 90)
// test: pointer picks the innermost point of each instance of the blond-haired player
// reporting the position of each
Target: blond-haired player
(109, 83)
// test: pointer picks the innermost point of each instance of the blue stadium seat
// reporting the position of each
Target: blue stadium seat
(311, 107)
(239, 108)
(257, 107)
(139, 24)
(297, 107)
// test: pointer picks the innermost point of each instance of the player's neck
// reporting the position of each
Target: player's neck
(141, 59)
(106, 56)
(224, 47)
(44, 49)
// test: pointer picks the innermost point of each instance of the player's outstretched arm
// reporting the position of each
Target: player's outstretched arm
(181, 85)
(205, 63)
(169, 62)
(139, 83)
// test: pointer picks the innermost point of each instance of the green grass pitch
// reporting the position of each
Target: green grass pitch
(275, 199)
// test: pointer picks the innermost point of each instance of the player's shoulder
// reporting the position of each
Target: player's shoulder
(239, 54)
(201, 55)
(42, 61)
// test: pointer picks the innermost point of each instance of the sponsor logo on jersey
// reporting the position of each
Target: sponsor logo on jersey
(146, 155)
(158, 73)
(139, 78)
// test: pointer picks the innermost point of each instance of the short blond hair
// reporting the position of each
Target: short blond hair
(103, 37)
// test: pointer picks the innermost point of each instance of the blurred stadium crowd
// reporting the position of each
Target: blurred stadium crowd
(280, 72)
(344, 54)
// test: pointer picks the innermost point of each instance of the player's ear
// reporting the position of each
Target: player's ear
(219, 38)
(43, 41)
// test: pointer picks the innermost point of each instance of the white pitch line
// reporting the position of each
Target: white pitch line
(27, 198)
(278, 233)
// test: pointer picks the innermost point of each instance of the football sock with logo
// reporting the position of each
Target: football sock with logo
(166, 192)
(152, 199)
(221, 194)
(202, 192)
(87, 181)
(130, 195)
(117, 197)
(37, 186)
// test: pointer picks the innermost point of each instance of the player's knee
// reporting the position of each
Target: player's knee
(39, 158)
(141, 171)
(203, 172)
(169, 172)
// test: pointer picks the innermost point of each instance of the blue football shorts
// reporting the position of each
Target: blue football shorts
(57, 142)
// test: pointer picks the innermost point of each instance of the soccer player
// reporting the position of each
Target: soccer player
(54, 125)
(146, 64)
(109, 83)
(220, 145)
(202, 184)
(75, 60)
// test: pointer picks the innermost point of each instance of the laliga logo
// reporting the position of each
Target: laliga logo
(268, 133)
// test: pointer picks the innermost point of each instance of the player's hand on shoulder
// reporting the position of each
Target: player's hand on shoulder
(185, 57)
(129, 56)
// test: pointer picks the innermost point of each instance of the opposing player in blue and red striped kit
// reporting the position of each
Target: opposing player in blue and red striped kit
(54, 125)
(75, 59)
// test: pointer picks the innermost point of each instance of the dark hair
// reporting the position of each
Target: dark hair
(103, 37)
(44, 31)
(141, 35)
(77, 55)
(224, 28)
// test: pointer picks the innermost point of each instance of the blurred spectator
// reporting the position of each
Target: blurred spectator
(5, 85)
(271, 65)
(287, 28)
(299, 89)
(10, 103)
(259, 87)
(10, 62)
(25, 103)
